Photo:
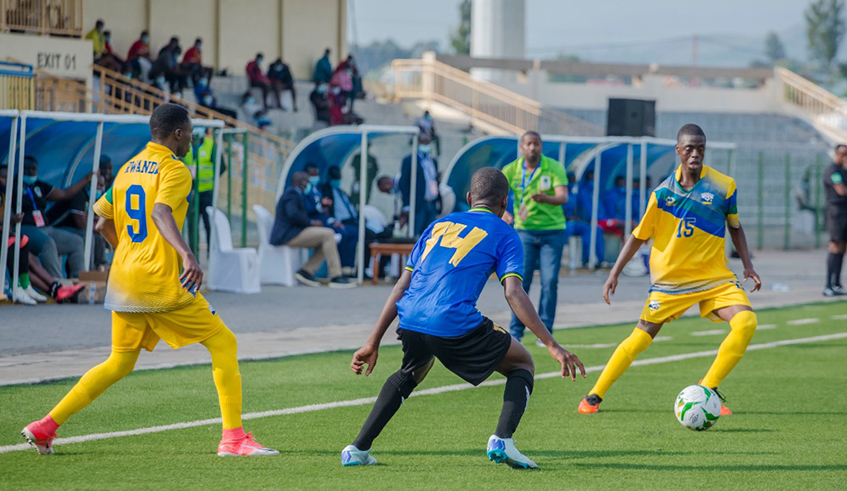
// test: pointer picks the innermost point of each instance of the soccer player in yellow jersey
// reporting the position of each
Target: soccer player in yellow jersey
(141, 216)
(687, 218)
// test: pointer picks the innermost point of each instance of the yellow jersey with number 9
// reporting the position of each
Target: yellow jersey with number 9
(145, 270)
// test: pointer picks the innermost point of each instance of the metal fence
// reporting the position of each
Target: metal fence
(57, 17)
(16, 86)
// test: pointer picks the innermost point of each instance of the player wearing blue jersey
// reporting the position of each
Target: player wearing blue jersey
(435, 299)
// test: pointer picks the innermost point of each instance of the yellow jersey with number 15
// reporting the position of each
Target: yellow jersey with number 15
(145, 270)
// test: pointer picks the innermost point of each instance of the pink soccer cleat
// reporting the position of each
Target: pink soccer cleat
(40, 434)
(243, 447)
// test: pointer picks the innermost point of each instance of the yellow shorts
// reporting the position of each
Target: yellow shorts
(191, 324)
(664, 307)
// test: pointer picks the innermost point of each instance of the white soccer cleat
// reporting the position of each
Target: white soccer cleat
(34, 294)
(502, 450)
(22, 297)
(351, 456)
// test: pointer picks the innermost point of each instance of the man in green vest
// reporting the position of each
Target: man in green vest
(540, 187)
(205, 167)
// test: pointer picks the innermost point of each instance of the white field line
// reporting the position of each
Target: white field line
(839, 317)
(713, 332)
(370, 400)
(611, 345)
(765, 327)
(802, 322)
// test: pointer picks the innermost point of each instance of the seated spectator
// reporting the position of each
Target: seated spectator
(72, 215)
(49, 242)
(388, 185)
(97, 39)
(582, 229)
(343, 217)
(320, 103)
(192, 63)
(614, 200)
(280, 76)
(258, 79)
(206, 98)
(315, 193)
(258, 113)
(323, 69)
(166, 69)
(350, 71)
(426, 125)
(138, 57)
(108, 58)
(293, 228)
(339, 113)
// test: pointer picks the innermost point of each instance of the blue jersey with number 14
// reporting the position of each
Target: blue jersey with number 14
(450, 265)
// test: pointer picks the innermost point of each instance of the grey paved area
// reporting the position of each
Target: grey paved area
(55, 341)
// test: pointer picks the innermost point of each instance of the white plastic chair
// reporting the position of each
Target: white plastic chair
(277, 263)
(231, 270)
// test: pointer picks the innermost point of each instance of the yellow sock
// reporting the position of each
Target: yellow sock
(223, 347)
(742, 325)
(93, 383)
(623, 356)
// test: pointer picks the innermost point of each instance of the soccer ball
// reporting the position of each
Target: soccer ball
(697, 408)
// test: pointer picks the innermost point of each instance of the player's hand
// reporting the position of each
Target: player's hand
(508, 218)
(539, 197)
(15, 219)
(317, 223)
(91, 175)
(192, 275)
(568, 360)
(749, 273)
(609, 288)
(367, 354)
(338, 225)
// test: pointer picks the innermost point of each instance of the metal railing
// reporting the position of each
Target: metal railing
(434, 81)
(56, 17)
(17, 88)
(818, 106)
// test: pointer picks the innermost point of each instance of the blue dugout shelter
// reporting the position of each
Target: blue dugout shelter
(67, 146)
(608, 157)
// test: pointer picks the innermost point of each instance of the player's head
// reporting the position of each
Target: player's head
(312, 169)
(385, 184)
(300, 179)
(170, 125)
(30, 167)
(531, 146)
(840, 154)
(691, 147)
(105, 167)
(490, 189)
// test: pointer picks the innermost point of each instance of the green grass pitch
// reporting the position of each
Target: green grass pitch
(788, 430)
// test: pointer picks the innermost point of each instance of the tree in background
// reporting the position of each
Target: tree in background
(461, 39)
(774, 49)
(825, 30)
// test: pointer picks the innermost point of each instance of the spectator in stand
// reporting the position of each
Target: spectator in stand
(259, 79)
(192, 63)
(138, 57)
(615, 200)
(71, 215)
(426, 192)
(167, 66)
(46, 241)
(255, 110)
(97, 39)
(320, 201)
(320, 103)
(581, 229)
(426, 125)
(343, 217)
(323, 69)
(108, 59)
(280, 76)
(347, 77)
(293, 228)
(206, 98)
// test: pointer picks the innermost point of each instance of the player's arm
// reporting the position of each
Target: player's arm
(632, 245)
(368, 353)
(106, 228)
(192, 274)
(58, 194)
(522, 307)
(739, 240)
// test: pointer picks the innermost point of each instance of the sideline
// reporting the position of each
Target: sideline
(370, 400)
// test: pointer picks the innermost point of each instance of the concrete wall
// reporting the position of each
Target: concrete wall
(66, 57)
(233, 31)
(667, 97)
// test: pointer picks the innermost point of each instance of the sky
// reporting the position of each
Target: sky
(731, 31)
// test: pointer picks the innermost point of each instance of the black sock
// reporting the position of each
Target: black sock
(830, 269)
(395, 390)
(515, 400)
(836, 272)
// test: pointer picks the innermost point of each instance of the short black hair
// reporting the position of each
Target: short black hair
(299, 177)
(166, 119)
(690, 129)
(839, 147)
(198, 40)
(107, 33)
(310, 165)
(145, 32)
(99, 22)
(489, 187)
(531, 133)
(260, 55)
(334, 172)
(174, 39)
(30, 160)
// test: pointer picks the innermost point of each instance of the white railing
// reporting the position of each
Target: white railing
(57, 17)
(821, 108)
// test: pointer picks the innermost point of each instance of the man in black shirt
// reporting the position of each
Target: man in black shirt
(49, 242)
(835, 189)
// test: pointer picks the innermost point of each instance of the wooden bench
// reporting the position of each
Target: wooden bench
(378, 249)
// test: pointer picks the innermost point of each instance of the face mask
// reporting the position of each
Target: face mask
(308, 188)
(30, 180)
(314, 180)
(250, 100)
(160, 80)
(335, 183)
(204, 82)
(145, 39)
(425, 149)
(259, 61)
(207, 100)
(108, 38)
(198, 46)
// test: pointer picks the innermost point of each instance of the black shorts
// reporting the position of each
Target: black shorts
(836, 223)
(473, 356)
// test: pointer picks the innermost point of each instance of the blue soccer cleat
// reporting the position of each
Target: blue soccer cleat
(503, 450)
(351, 456)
